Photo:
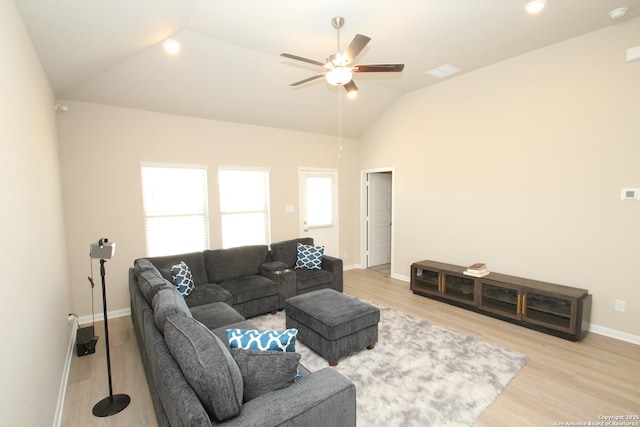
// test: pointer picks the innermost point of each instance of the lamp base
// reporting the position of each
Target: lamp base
(111, 405)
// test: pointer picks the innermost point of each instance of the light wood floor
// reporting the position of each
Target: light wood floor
(562, 381)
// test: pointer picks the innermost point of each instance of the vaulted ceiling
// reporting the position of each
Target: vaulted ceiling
(229, 68)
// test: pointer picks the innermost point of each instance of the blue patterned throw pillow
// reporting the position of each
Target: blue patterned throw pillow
(263, 339)
(309, 257)
(183, 279)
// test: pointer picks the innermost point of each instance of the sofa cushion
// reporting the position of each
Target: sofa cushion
(207, 293)
(182, 278)
(287, 250)
(309, 257)
(166, 303)
(216, 315)
(250, 288)
(265, 371)
(224, 264)
(306, 279)
(150, 282)
(195, 261)
(207, 366)
(263, 339)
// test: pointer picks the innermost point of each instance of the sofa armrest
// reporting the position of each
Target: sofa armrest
(325, 398)
(273, 266)
(334, 265)
(283, 276)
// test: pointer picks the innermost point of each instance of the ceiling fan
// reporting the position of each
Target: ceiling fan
(340, 66)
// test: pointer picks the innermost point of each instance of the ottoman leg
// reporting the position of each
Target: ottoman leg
(334, 362)
(371, 347)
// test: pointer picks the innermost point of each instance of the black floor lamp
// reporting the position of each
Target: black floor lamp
(111, 404)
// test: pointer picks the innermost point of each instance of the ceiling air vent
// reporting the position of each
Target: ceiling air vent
(443, 71)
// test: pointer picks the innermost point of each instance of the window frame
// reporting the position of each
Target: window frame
(266, 211)
(175, 213)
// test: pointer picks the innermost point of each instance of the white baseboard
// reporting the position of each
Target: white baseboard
(612, 333)
(401, 277)
(99, 317)
(352, 267)
(57, 420)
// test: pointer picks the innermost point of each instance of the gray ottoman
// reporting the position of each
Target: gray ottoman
(333, 324)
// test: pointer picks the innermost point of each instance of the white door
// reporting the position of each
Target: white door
(319, 208)
(378, 218)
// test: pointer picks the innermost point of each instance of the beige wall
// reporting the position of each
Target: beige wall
(520, 165)
(35, 279)
(101, 150)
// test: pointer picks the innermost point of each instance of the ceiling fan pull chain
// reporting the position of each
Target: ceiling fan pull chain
(340, 95)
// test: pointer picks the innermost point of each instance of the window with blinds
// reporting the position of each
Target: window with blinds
(176, 215)
(244, 207)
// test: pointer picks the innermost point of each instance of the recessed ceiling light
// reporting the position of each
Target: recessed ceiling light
(535, 6)
(618, 13)
(171, 46)
(443, 71)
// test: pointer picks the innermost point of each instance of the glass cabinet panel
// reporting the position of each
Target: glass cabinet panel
(548, 310)
(500, 298)
(427, 280)
(462, 288)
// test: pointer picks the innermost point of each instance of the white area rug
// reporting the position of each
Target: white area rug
(419, 374)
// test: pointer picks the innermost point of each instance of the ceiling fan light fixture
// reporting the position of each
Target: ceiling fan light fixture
(339, 76)
(338, 60)
(535, 6)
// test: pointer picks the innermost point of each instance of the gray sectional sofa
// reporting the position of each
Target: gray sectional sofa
(193, 376)
(252, 279)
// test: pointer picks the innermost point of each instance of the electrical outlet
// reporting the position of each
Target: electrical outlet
(619, 306)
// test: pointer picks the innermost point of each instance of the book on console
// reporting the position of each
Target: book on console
(474, 274)
(478, 266)
(479, 269)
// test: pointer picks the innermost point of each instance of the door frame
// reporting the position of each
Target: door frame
(363, 214)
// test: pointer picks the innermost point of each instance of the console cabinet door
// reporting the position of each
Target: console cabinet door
(425, 280)
(458, 287)
(501, 298)
(550, 310)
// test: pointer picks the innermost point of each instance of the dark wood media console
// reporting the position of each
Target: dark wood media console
(558, 310)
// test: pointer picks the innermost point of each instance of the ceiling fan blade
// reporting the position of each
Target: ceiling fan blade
(351, 87)
(307, 79)
(381, 68)
(355, 47)
(299, 58)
